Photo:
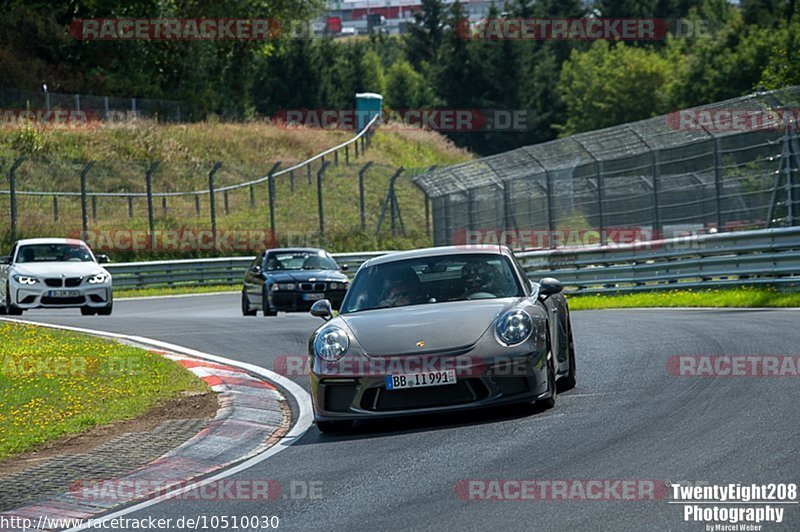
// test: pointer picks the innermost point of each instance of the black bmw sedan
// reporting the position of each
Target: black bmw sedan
(291, 280)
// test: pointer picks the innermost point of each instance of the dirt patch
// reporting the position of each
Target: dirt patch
(189, 405)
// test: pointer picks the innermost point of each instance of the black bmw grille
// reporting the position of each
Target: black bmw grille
(72, 282)
(54, 283)
(308, 287)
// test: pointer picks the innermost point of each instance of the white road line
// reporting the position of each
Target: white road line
(302, 424)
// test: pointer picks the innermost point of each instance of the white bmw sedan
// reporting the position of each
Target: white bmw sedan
(54, 273)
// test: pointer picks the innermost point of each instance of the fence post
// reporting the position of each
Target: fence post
(94, 208)
(291, 180)
(84, 218)
(308, 171)
(78, 102)
(394, 207)
(151, 222)
(12, 188)
(361, 203)
(447, 223)
(507, 208)
(598, 166)
(55, 208)
(212, 202)
(225, 201)
(130, 206)
(252, 197)
(347, 154)
(356, 146)
(320, 208)
(471, 222)
(718, 182)
(271, 190)
(164, 204)
(105, 107)
(656, 216)
(197, 205)
(336, 158)
(551, 221)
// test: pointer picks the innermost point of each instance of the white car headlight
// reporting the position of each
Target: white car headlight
(98, 278)
(514, 327)
(331, 344)
(282, 286)
(24, 279)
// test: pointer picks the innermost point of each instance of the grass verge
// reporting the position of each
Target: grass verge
(54, 383)
(187, 152)
(731, 297)
(175, 291)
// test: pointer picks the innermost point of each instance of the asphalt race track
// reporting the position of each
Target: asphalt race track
(628, 418)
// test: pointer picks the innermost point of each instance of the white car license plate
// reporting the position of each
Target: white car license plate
(63, 293)
(420, 380)
(313, 297)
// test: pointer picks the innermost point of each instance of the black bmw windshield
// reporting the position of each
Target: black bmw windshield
(432, 280)
(300, 261)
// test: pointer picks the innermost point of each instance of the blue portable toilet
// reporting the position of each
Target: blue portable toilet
(368, 104)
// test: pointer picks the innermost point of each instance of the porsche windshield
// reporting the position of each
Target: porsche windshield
(432, 280)
(300, 261)
(54, 253)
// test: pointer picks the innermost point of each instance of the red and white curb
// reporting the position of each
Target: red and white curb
(253, 423)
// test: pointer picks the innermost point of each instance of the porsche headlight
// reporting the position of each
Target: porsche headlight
(24, 279)
(331, 344)
(514, 327)
(98, 278)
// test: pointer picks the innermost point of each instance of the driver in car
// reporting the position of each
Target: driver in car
(478, 277)
(404, 290)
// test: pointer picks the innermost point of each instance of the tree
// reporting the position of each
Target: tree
(425, 35)
(372, 75)
(403, 86)
(610, 85)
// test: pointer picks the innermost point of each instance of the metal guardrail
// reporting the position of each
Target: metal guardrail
(199, 272)
(362, 135)
(763, 257)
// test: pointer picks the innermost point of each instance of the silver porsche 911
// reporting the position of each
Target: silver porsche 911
(436, 330)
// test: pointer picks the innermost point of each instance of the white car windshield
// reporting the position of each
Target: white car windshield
(54, 253)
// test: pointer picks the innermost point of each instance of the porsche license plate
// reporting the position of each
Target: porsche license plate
(63, 293)
(420, 380)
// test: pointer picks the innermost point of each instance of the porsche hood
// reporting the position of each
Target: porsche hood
(441, 326)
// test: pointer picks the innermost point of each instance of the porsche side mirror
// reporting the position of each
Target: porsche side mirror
(103, 259)
(322, 309)
(549, 286)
